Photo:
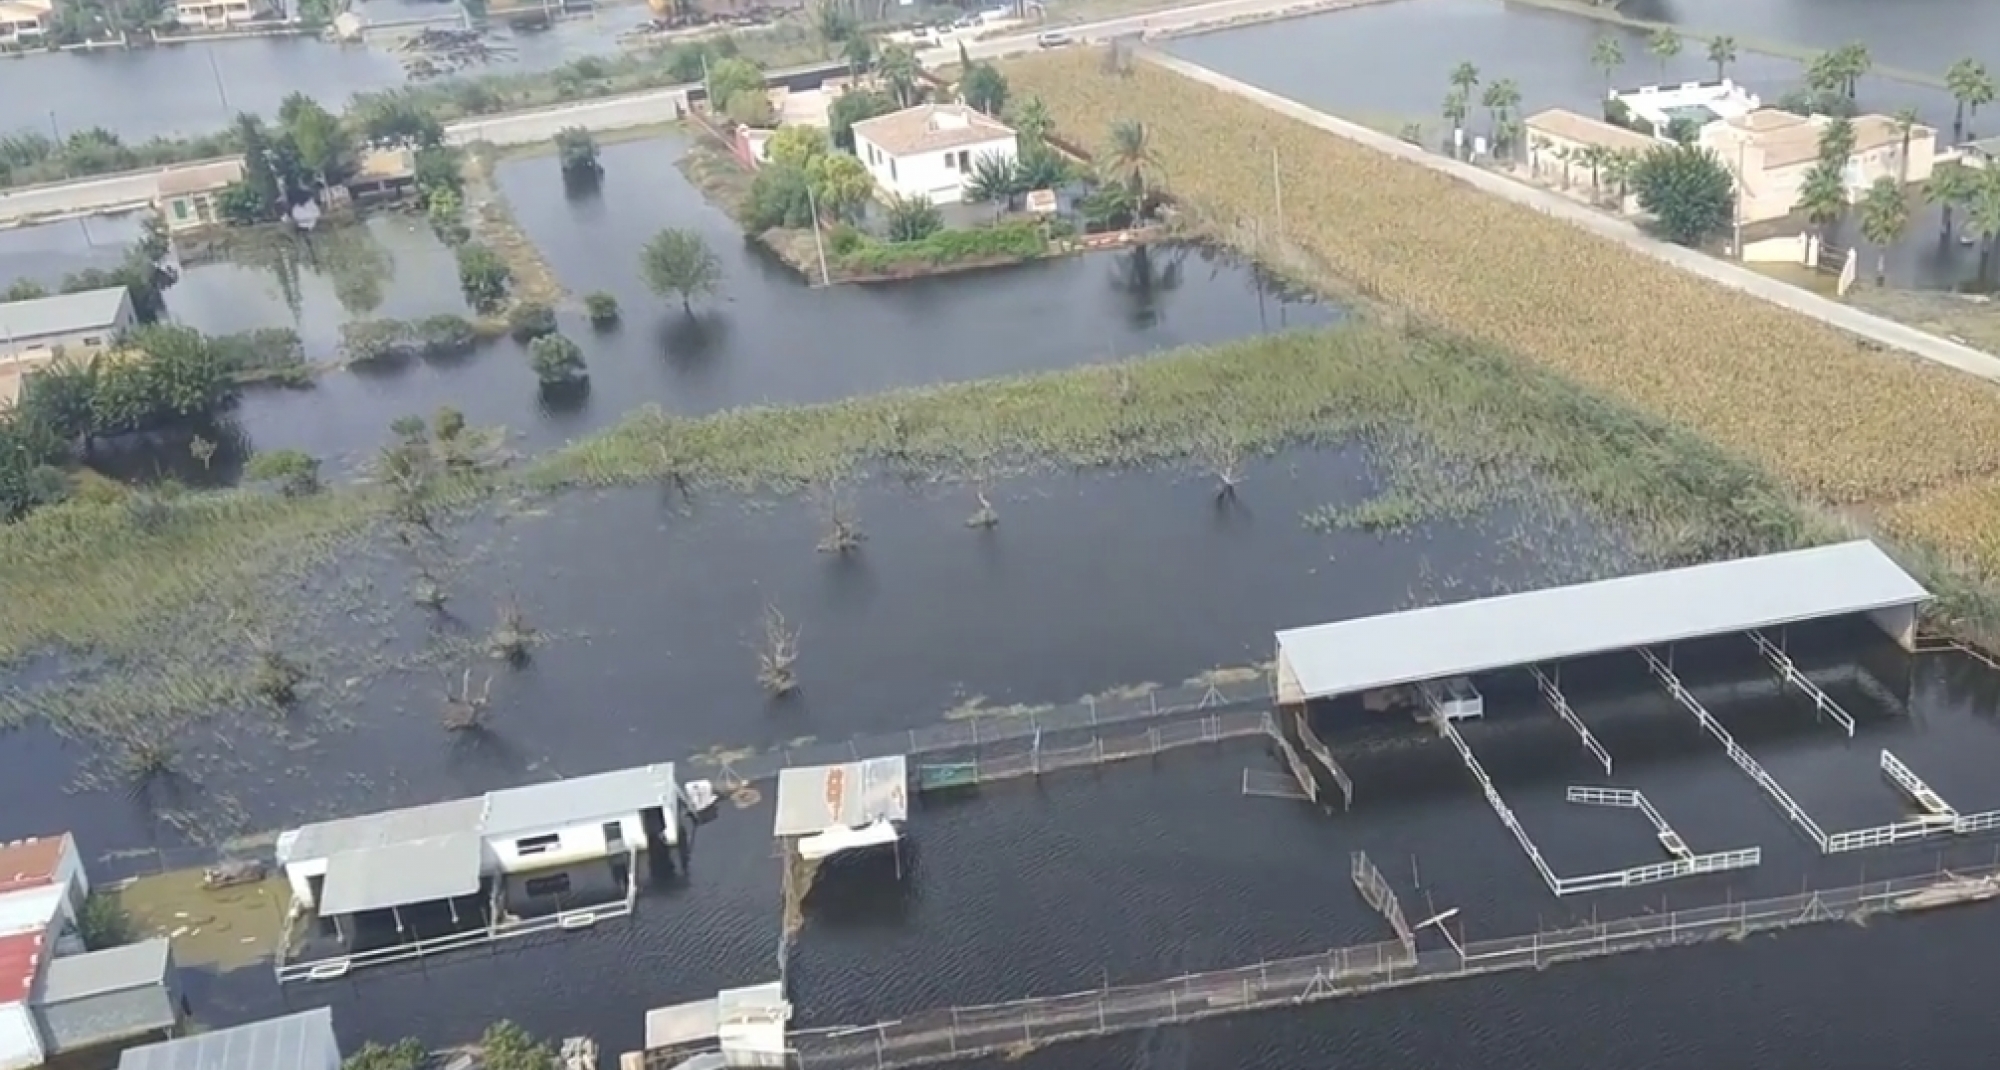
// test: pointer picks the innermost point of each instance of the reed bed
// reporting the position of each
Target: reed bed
(1839, 422)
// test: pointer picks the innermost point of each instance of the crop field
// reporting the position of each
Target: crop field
(1842, 424)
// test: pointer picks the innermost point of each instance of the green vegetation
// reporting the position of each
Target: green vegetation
(558, 362)
(442, 335)
(678, 263)
(405, 1054)
(294, 473)
(1007, 242)
(1688, 192)
(484, 277)
(530, 320)
(602, 308)
(103, 922)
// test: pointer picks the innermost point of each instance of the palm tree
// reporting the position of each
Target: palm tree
(1455, 108)
(1032, 122)
(898, 67)
(1131, 161)
(1982, 214)
(1664, 44)
(1618, 168)
(1836, 143)
(1885, 214)
(1951, 186)
(1464, 78)
(1593, 156)
(1499, 100)
(1822, 197)
(1972, 88)
(1906, 124)
(1722, 53)
(1607, 55)
(1850, 62)
(859, 52)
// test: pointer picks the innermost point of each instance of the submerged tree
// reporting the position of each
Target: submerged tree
(276, 678)
(576, 149)
(512, 635)
(464, 708)
(843, 530)
(778, 654)
(679, 263)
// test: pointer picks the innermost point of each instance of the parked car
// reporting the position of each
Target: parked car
(1052, 39)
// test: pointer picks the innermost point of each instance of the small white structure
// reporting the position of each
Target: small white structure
(1700, 103)
(930, 150)
(745, 1026)
(828, 809)
(302, 1041)
(24, 23)
(445, 850)
(217, 14)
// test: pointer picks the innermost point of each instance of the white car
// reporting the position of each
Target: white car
(1052, 39)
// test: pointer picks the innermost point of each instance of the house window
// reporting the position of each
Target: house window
(892, 170)
(180, 209)
(534, 845)
(94, 340)
(553, 884)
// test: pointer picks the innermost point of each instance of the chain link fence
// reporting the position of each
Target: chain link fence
(1020, 1026)
(1076, 728)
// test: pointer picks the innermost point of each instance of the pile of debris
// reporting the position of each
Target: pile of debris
(435, 52)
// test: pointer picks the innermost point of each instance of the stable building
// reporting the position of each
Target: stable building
(825, 810)
(740, 1027)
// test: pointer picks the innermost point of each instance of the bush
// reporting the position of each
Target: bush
(602, 308)
(444, 334)
(557, 360)
(364, 340)
(405, 1054)
(295, 472)
(530, 320)
(1013, 240)
(483, 276)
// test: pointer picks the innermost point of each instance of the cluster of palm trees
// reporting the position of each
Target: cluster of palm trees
(1664, 43)
(1501, 98)
(1610, 169)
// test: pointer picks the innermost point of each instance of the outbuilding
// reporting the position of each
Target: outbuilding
(90, 321)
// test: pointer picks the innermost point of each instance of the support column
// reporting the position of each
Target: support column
(1900, 622)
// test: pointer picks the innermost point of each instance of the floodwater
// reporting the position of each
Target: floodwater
(199, 88)
(1390, 65)
(767, 338)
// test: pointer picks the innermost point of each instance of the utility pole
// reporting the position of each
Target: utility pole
(1277, 193)
(1737, 222)
(819, 246)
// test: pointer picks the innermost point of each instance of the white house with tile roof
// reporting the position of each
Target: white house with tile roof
(930, 150)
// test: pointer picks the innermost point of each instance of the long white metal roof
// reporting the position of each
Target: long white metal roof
(1437, 642)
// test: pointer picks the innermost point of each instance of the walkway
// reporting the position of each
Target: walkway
(1864, 325)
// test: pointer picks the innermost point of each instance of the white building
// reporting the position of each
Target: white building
(1700, 103)
(450, 850)
(217, 14)
(86, 322)
(743, 1027)
(24, 23)
(930, 150)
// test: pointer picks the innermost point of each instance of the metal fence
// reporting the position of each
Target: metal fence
(1113, 742)
(973, 735)
(1020, 1026)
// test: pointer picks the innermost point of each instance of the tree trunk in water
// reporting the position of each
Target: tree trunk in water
(1945, 235)
(687, 304)
(1958, 124)
(1881, 267)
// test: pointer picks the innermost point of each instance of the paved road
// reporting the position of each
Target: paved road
(108, 193)
(1864, 325)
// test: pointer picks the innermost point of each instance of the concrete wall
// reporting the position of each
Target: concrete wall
(574, 843)
(1900, 623)
(20, 1044)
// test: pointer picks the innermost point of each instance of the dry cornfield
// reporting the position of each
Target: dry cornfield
(1841, 422)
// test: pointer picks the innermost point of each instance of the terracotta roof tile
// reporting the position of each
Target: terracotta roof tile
(31, 863)
(20, 960)
(930, 128)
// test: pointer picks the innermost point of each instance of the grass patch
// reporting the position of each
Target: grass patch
(1001, 243)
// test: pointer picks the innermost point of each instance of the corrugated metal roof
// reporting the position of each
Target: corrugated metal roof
(302, 1041)
(329, 838)
(578, 800)
(1566, 622)
(47, 317)
(682, 1023)
(31, 862)
(114, 969)
(420, 871)
(30, 908)
(814, 798)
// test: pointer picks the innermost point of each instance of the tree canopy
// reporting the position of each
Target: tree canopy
(678, 263)
(1690, 195)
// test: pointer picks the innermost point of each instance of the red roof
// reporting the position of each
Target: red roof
(20, 958)
(31, 863)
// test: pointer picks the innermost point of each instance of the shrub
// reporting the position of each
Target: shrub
(295, 472)
(1012, 240)
(530, 320)
(602, 308)
(557, 360)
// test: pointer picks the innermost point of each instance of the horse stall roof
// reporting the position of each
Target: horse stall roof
(402, 874)
(580, 800)
(302, 1041)
(814, 798)
(1722, 598)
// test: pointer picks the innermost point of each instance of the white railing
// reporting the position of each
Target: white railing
(1297, 765)
(1556, 699)
(1627, 799)
(1319, 750)
(1736, 753)
(1493, 799)
(1790, 673)
(1910, 782)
